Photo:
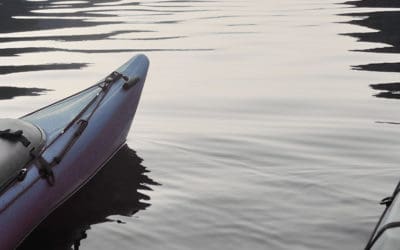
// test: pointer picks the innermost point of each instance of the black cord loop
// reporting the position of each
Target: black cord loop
(15, 136)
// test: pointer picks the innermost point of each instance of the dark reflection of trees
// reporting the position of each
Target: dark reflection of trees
(386, 24)
(18, 16)
(11, 92)
(389, 90)
(375, 3)
(4, 70)
(10, 9)
(113, 191)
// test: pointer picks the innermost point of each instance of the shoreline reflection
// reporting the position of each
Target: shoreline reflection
(82, 30)
(8, 92)
(385, 26)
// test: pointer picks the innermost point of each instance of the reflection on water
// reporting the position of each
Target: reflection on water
(12, 9)
(385, 31)
(389, 90)
(71, 38)
(375, 3)
(250, 117)
(57, 28)
(11, 92)
(115, 190)
(4, 70)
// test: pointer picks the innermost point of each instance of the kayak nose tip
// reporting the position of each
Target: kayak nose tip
(142, 65)
(131, 82)
(137, 74)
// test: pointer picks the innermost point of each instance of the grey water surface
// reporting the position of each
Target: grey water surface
(268, 124)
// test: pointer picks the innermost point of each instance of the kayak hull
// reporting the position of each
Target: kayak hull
(24, 205)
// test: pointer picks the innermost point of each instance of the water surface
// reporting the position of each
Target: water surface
(259, 118)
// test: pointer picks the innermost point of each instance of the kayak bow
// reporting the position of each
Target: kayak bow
(52, 152)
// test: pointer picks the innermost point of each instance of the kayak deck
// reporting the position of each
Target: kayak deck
(19, 140)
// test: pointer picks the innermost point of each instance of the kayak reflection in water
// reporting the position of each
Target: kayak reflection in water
(114, 190)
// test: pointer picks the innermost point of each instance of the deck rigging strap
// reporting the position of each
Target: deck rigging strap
(45, 167)
(16, 136)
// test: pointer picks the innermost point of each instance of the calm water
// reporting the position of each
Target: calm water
(257, 118)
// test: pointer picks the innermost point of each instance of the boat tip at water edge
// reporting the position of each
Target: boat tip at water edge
(53, 151)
